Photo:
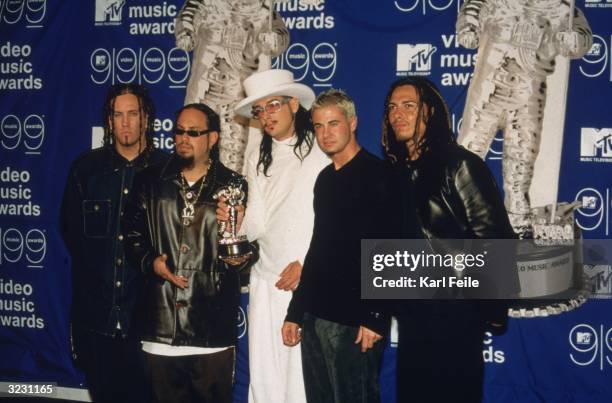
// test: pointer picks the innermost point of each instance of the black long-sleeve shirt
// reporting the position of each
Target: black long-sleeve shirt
(352, 203)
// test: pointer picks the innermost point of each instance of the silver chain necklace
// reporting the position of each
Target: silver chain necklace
(190, 200)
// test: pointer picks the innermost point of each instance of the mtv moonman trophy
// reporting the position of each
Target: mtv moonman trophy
(229, 38)
(519, 86)
(233, 248)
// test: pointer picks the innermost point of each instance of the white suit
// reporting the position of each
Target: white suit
(280, 217)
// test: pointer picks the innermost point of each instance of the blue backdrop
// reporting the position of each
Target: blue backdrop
(57, 59)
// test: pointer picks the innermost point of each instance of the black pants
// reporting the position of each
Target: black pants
(439, 359)
(335, 369)
(203, 378)
(113, 366)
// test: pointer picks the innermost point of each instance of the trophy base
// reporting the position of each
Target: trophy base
(552, 281)
(550, 268)
(233, 248)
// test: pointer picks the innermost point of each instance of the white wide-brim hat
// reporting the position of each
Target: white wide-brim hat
(269, 83)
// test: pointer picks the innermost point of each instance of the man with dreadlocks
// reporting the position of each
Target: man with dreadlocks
(104, 287)
(279, 215)
(455, 197)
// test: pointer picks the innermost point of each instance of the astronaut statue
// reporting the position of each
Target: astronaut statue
(228, 37)
(517, 42)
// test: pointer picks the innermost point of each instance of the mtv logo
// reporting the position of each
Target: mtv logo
(589, 202)
(595, 142)
(100, 60)
(415, 58)
(583, 338)
(97, 137)
(109, 11)
(601, 279)
(595, 50)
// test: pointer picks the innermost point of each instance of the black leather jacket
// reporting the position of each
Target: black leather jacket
(104, 287)
(456, 197)
(205, 313)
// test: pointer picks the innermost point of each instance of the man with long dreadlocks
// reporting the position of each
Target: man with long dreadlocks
(104, 287)
(454, 196)
(279, 215)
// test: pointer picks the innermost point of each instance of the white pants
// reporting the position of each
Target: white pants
(275, 370)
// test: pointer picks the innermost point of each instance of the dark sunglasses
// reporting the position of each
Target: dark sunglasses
(192, 133)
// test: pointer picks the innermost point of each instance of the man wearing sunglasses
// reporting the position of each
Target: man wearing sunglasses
(191, 298)
(281, 170)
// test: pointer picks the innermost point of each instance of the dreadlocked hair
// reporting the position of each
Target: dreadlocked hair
(438, 131)
(145, 106)
(305, 140)
(213, 122)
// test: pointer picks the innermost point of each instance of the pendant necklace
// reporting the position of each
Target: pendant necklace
(190, 200)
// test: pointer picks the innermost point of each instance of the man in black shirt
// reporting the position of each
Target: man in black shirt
(340, 333)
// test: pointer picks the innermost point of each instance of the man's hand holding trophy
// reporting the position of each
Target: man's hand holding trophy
(233, 249)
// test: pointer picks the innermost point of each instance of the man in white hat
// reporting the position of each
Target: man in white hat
(281, 172)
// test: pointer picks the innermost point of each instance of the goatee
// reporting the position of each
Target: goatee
(185, 162)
